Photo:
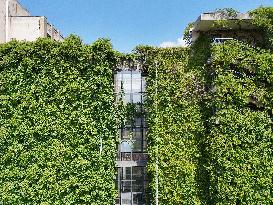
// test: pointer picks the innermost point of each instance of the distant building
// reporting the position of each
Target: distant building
(17, 23)
(237, 27)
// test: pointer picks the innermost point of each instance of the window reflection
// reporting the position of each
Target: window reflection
(133, 146)
(126, 146)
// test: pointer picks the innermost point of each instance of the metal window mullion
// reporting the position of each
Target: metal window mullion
(131, 185)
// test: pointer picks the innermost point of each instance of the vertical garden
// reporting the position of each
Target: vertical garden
(57, 122)
(174, 120)
(209, 112)
(210, 120)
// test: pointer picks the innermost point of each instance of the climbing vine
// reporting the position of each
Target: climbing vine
(174, 122)
(57, 122)
(210, 121)
(209, 115)
(263, 18)
(240, 131)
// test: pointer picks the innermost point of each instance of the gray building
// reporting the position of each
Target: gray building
(17, 23)
(237, 26)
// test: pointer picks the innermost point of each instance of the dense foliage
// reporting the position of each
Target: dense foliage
(174, 121)
(57, 122)
(239, 143)
(210, 121)
(263, 18)
(209, 116)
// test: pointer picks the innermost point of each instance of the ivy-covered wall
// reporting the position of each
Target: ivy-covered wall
(210, 120)
(240, 137)
(209, 116)
(174, 121)
(57, 122)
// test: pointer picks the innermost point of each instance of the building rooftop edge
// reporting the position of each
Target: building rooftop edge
(18, 1)
(219, 16)
(206, 20)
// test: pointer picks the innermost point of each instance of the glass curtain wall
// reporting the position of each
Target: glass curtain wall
(132, 151)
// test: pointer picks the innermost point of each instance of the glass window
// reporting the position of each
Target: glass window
(126, 146)
(118, 80)
(137, 98)
(137, 134)
(131, 180)
(126, 186)
(136, 83)
(127, 83)
(137, 145)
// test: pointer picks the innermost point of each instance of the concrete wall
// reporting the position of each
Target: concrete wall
(2, 21)
(53, 33)
(16, 9)
(27, 28)
(30, 28)
(23, 26)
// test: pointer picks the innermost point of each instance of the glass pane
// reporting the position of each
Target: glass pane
(127, 83)
(143, 84)
(137, 98)
(144, 134)
(126, 199)
(117, 178)
(127, 98)
(138, 199)
(145, 146)
(126, 186)
(136, 83)
(118, 78)
(137, 171)
(137, 187)
(137, 146)
(127, 173)
(137, 134)
(126, 146)
(137, 121)
(144, 121)
(139, 109)
(127, 134)
(138, 179)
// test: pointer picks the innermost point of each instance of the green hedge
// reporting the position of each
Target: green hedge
(56, 107)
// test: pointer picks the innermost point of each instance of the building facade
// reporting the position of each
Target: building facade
(132, 179)
(17, 23)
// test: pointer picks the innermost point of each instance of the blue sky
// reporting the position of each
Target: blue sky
(130, 22)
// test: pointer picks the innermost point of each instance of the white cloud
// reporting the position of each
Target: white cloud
(180, 42)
